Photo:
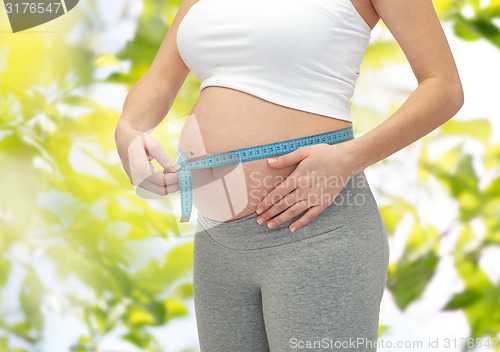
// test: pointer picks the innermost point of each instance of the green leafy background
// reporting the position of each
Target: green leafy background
(76, 240)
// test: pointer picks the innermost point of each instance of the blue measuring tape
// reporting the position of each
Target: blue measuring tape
(246, 154)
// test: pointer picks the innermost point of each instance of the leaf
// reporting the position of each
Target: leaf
(483, 311)
(5, 266)
(408, 278)
(183, 291)
(105, 59)
(31, 302)
(138, 315)
(462, 185)
(381, 53)
(462, 300)
(175, 308)
(392, 215)
(382, 329)
(479, 129)
(491, 157)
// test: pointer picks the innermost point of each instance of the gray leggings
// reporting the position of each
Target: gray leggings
(316, 289)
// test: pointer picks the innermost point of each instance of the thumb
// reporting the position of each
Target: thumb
(289, 159)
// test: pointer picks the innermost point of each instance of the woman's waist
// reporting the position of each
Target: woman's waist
(225, 119)
(217, 126)
(228, 136)
(231, 191)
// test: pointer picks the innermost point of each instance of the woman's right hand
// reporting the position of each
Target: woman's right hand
(136, 150)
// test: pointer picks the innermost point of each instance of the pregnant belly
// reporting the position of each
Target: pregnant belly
(225, 119)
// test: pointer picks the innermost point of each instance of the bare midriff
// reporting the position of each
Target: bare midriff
(225, 119)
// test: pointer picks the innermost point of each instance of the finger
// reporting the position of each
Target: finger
(280, 191)
(140, 167)
(307, 217)
(141, 170)
(160, 190)
(288, 214)
(140, 164)
(145, 145)
(288, 159)
(285, 203)
(170, 180)
(156, 151)
(162, 179)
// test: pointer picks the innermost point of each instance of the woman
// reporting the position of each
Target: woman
(270, 72)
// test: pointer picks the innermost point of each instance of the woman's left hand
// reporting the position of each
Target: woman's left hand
(322, 172)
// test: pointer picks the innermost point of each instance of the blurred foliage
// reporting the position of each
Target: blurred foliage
(88, 228)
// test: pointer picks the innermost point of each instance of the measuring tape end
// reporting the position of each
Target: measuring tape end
(184, 219)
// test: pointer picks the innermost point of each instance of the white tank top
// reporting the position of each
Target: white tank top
(302, 54)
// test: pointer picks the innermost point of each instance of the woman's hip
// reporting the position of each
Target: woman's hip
(353, 214)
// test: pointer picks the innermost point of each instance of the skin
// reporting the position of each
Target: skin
(292, 184)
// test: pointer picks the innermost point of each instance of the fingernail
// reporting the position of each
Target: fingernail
(270, 224)
(260, 220)
(260, 210)
(293, 229)
(271, 160)
(176, 167)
